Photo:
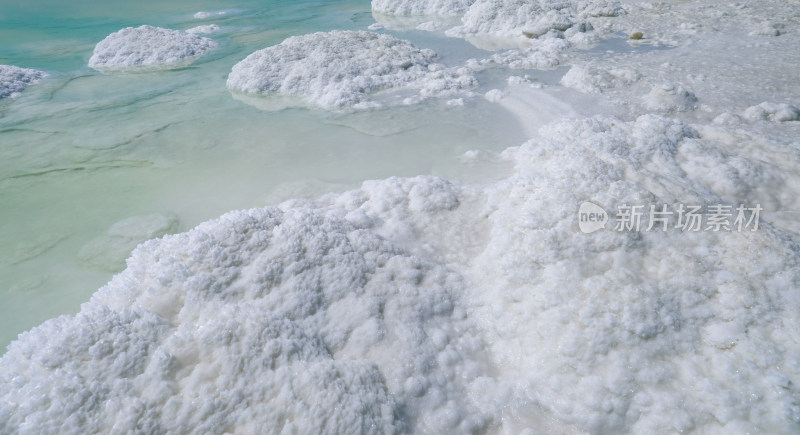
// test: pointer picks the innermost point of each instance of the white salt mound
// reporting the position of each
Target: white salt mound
(600, 330)
(669, 98)
(148, 48)
(776, 112)
(767, 29)
(342, 68)
(517, 18)
(494, 95)
(14, 80)
(259, 320)
(415, 305)
(206, 28)
(202, 15)
(421, 7)
(594, 79)
(544, 54)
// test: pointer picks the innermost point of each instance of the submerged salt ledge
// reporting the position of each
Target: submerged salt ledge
(14, 80)
(374, 305)
(342, 68)
(148, 48)
(110, 251)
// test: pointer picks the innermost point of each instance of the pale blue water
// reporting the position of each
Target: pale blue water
(81, 150)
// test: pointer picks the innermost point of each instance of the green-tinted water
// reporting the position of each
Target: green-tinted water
(81, 150)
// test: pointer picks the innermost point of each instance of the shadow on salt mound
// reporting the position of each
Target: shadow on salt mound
(342, 69)
(148, 48)
(14, 80)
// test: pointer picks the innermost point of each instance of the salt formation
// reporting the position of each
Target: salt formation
(148, 48)
(538, 31)
(669, 98)
(206, 28)
(516, 20)
(772, 112)
(416, 304)
(594, 79)
(342, 68)
(598, 329)
(202, 15)
(421, 7)
(14, 80)
(767, 29)
(545, 54)
(494, 95)
(259, 320)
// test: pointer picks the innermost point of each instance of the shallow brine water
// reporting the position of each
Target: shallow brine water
(86, 150)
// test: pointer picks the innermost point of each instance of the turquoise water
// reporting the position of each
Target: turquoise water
(81, 150)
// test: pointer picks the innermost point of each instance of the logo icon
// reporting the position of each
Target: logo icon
(591, 217)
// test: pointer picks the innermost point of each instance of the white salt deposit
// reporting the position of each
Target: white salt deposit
(203, 15)
(416, 304)
(421, 7)
(594, 79)
(767, 29)
(765, 111)
(204, 29)
(669, 98)
(148, 48)
(343, 68)
(516, 20)
(545, 54)
(257, 320)
(14, 80)
(494, 95)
